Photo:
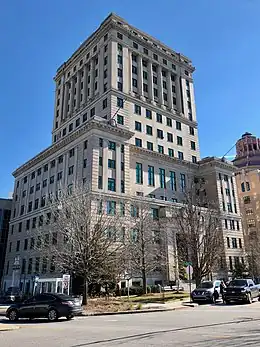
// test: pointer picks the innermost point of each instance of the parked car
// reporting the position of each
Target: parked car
(12, 294)
(241, 290)
(51, 306)
(172, 288)
(206, 291)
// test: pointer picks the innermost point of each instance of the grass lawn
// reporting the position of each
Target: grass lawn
(157, 297)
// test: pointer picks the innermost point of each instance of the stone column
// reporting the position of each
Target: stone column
(72, 86)
(178, 93)
(92, 78)
(126, 81)
(85, 84)
(130, 63)
(160, 85)
(78, 89)
(118, 168)
(169, 91)
(140, 76)
(100, 71)
(65, 101)
(150, 81)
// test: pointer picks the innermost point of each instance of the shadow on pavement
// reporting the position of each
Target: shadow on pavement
(154, 333)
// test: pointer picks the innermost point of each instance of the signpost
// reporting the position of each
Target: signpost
(189, 272)
(66, 284)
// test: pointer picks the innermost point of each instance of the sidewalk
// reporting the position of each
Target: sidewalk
(146, 308)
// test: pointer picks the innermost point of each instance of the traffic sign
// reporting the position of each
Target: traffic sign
(189, 270)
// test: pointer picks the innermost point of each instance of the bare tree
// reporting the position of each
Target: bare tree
(144, 242)
(198, 227)
(80, 235)
(252, 246)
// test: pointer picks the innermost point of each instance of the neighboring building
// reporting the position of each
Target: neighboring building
(5, 214)
(125, 124)
(247, 175)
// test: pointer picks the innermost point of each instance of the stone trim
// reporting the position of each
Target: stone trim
(90, 125)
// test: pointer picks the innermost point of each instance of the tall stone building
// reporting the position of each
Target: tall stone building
(5, 214)
(247, 161)
(125, 124)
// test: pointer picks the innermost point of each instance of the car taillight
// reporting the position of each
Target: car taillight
(69, 303)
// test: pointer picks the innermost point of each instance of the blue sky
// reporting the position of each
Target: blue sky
(220, 36)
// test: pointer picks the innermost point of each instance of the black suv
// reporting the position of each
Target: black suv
(51, 306)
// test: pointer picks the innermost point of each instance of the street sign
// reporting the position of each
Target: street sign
(66, 282)
(189, 270)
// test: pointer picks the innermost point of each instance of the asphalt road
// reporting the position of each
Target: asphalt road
(234, 325)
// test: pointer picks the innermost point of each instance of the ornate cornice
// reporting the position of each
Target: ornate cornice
(92, 124)
(216, 162)
(145, 153)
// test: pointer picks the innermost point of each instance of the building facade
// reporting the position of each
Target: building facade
(247, 175)
(5, 214)
(125, 125)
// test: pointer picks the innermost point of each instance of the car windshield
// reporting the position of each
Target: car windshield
(207, 284)
(238, 283)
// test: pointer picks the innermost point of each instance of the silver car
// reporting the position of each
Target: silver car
(207, 291)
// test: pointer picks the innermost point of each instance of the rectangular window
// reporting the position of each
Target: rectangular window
(100, 142)
(111, 164)
(169, 137)
(240, 243)
(138, 142)
(77, 122)
(34, 223)
(138, 126)
(229, 207)
(112, 145)
(119, 72)
(248, 186)
(234, 242)
(180, 155)
(178, 125)
(71, 169)
(148, 114)
(120, 59)
(111, 207)
(183, 182)
(28, 224)
(120, 86)
(59, 176)
(145, 75)
(158, 117)
(120, 119)
(193, 145)
(225, 178)
(92, 112)
(36, 204)
(104, 103)
(139, 173)
(17, 246)
(149, 146)
(162, 178)
(111, 184)
(169, 122)
(173, 181)
(171, 152)
(192, 132)
(25, 244)
(122, 186)
(154, 80)
(134, 82)
(100, 182)
(149, 130)
(145, 87)
(160, 149)
(194, 159)
(100, 161)
(150, 175)
(228, 242)
(159, 133)
(134, 212)
(179, 141)
(84, 163)
(138, 110)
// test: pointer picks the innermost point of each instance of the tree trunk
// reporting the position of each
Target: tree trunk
(144, 281)
(85, 296)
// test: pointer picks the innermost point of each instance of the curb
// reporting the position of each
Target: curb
(190, 304)
(133, 312)
(9, 328)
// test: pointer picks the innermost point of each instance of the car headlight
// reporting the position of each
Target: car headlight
(243, 290)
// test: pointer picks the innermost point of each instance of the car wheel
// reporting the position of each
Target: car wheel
(249, 298)
(70, 316)
(52, 315)
(13, 315)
